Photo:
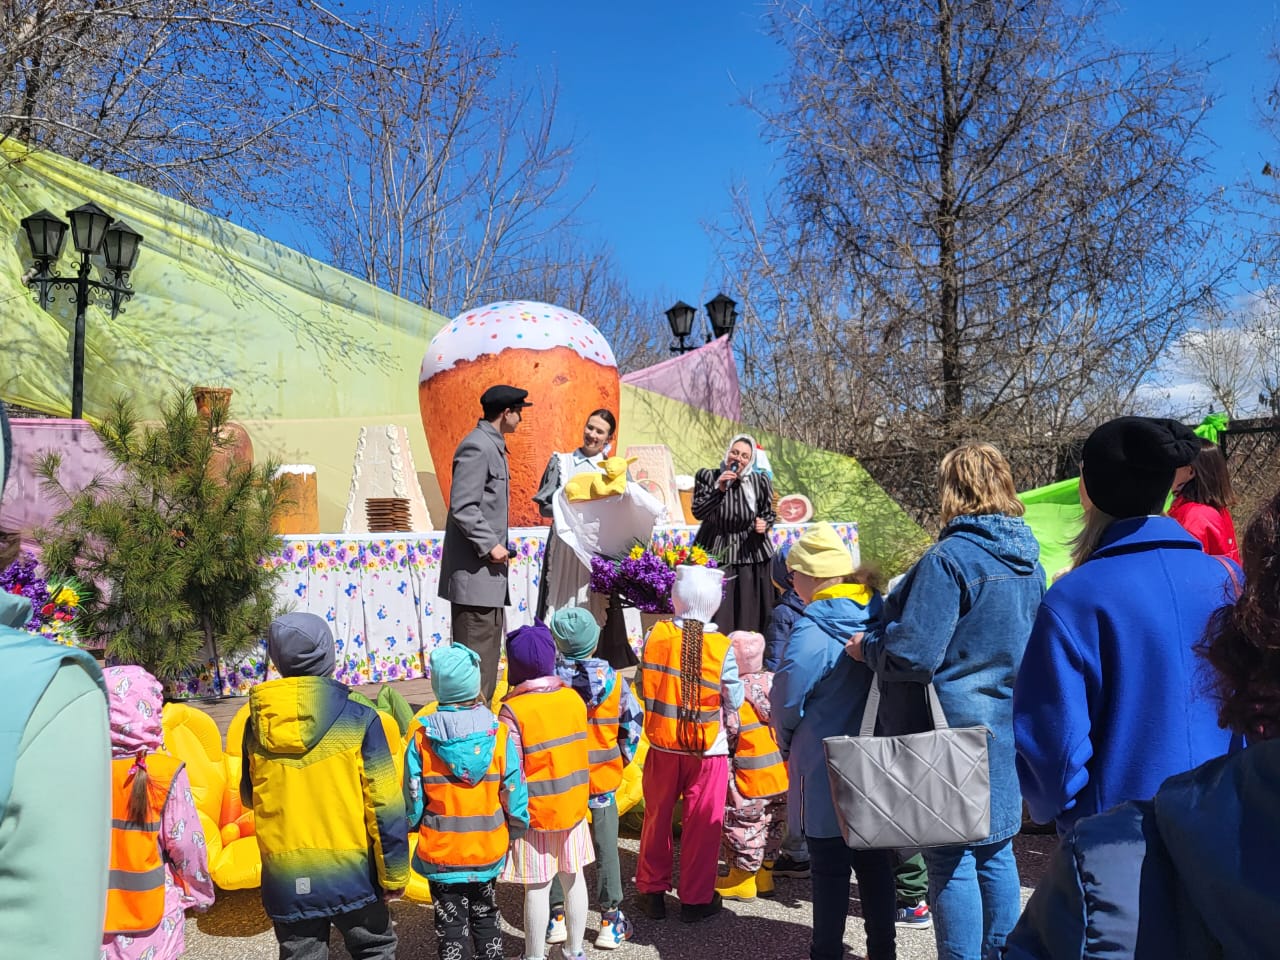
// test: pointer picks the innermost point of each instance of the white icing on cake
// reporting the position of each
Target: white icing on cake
(298, 468)
(518, 324)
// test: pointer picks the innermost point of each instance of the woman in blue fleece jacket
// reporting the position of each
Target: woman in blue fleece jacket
(1110, 700)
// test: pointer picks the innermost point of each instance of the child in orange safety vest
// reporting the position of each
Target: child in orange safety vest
(755, 817)
(688, 677)
(463, 786)
(159, 867)
(547, 721)
(613, 734)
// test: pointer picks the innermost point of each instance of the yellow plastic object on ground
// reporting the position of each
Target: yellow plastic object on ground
(192, 736)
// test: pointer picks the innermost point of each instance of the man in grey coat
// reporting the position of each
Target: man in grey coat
(473, 567)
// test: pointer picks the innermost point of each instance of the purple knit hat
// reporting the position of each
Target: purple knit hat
(531, 653)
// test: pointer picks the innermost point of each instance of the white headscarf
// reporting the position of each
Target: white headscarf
(748, 489)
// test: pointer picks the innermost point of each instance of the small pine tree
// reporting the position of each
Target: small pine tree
(173, 540)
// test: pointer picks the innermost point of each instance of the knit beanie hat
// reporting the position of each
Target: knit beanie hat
(531, 653)
(1128, 463)
(301, 645)
(575, 631)
(821, 554)
(697, 592)
(748, 650)
(455, 673)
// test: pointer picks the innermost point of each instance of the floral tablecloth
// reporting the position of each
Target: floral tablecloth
(378, 593)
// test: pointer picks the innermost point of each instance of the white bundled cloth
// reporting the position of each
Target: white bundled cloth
(608, 526)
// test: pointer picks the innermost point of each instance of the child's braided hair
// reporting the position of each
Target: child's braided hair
(689, 731)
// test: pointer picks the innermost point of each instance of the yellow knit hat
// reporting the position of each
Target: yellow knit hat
(821, 554)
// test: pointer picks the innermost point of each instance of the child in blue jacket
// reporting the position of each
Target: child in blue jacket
(460, 771)
(793, 857)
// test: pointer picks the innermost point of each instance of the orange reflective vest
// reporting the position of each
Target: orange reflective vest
(463, 826)
(758, 768)
(602, 741)
(135, 884)
(553, 738)
(660, 688)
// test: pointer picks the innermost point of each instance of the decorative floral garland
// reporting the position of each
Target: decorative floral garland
(54, 603)
(644, 577)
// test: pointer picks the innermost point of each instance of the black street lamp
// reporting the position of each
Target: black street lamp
(92, 232)
(680, 317)
(723, 313)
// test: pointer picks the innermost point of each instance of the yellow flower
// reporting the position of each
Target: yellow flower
(670, 557)
(698, 556)
(67, 598)
(636, 552)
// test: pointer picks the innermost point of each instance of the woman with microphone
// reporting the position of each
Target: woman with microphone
(735, 507)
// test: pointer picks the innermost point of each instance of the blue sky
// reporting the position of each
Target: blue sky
(652, 92)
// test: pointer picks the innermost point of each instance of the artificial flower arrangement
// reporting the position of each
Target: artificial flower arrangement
(54, 603)
(644, 576)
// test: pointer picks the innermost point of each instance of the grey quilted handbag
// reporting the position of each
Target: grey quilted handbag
(918, 790)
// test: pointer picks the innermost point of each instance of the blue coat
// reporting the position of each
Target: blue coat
(961, 617)
(820, 692)
(786, 612)
(1191, 874)
(1112, 699)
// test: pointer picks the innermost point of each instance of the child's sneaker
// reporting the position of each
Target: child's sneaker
(917, 916)
(615, 930)
(557, 932)
(580, 955)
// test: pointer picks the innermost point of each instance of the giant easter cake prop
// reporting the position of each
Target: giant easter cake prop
(560, 358)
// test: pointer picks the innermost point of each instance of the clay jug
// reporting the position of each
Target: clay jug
(237, 448)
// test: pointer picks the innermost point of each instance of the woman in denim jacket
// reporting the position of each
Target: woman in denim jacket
(960, 619)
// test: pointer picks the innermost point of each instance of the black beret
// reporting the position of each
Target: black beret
(503, 397)
(1128, 463)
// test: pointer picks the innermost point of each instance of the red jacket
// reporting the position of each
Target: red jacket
(1210, 525)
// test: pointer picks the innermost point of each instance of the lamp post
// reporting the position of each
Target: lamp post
(93, 232)
(723, 313)
(680, 317)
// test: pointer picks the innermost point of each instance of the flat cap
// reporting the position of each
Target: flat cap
(503, 396)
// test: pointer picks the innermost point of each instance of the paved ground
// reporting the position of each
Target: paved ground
(236, 928)
(778, 929)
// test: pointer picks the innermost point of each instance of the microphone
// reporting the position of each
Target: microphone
(732, 468)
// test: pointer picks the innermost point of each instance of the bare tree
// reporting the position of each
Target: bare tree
(211, 101)
(988, 213)
(1222, 353)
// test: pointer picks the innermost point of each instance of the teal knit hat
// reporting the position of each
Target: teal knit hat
(576, 632)
(455, 673)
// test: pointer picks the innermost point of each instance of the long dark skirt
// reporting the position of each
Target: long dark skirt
(748, 597)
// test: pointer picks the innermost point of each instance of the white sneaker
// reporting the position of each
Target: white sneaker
(615, 930)
(557, 932)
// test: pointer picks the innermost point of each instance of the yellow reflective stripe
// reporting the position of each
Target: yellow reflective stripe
(548, 788)
(555, 742)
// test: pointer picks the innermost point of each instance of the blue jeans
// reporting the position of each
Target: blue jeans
(973, 893)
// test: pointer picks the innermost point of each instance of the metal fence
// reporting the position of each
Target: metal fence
(1252, 449)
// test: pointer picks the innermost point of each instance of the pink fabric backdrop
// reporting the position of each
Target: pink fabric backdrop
(26, 505)
(706, 378)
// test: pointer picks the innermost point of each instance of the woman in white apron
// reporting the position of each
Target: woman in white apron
(565, 581)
